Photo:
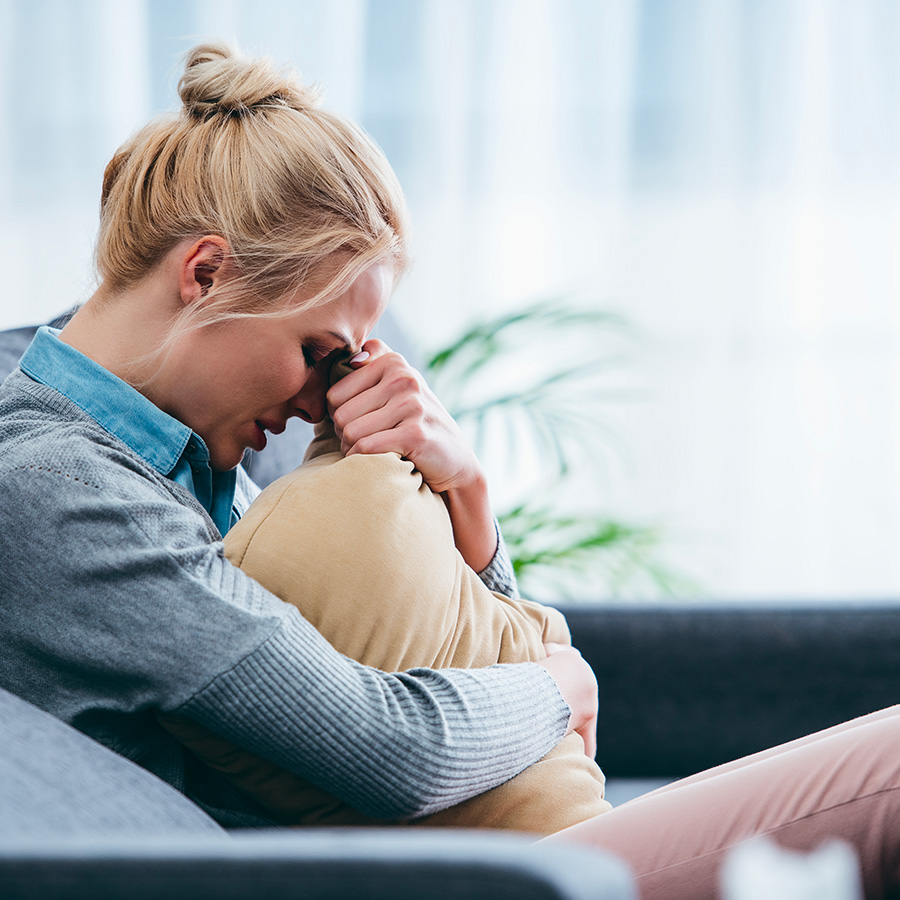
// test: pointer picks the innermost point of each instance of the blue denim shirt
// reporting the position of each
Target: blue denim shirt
(166, 444)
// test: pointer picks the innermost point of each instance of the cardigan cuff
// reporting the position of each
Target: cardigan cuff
(499, 575)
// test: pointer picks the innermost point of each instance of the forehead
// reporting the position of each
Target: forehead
(351, 315)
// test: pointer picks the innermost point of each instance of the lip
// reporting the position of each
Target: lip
(259, 441)
(275, 427)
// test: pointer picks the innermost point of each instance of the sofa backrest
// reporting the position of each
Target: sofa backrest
(12, 345)
(56, 782)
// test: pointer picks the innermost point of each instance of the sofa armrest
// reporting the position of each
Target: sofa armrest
(687, 686)
(340, 864)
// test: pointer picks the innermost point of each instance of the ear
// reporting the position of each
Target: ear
(203, 265)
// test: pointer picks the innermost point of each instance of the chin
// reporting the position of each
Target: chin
(224, 462)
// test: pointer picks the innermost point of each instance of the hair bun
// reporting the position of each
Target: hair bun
(218, 81)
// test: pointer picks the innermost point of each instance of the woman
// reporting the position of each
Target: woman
(243, 245)
(223, 231)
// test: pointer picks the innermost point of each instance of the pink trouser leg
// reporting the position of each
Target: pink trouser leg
(843, 782)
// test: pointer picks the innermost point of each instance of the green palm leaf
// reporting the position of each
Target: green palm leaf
(558, 410)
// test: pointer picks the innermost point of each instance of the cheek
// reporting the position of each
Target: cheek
(286, 379)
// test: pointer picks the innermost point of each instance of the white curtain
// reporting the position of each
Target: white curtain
(725, 173)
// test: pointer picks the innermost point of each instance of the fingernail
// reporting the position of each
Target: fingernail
(362, 356)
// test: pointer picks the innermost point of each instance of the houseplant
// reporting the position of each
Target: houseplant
(533, 389)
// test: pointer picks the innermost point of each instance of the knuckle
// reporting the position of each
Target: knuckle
(413, 411)
(397, 367)
(405, 382)
(417, 434)
(394, 359)
(352, 433)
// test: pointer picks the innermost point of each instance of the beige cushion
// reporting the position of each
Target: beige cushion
(365, 550)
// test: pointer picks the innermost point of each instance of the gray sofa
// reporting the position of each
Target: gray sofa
(78, 822)
(683, 686)
(687, 686)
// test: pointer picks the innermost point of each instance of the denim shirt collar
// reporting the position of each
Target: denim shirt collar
(162, 441)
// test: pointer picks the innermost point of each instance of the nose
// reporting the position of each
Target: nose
(309, 402)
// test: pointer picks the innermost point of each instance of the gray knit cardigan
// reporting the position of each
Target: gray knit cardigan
(116, 602)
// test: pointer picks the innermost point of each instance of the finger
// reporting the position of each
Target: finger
(393, 386)
(378, 396)
(386, 366)
(379, 409)
(392, 440)
(369, 351)
(372, 348)
(588, 734)
(376, 348)
(379, 421)
(360, 379)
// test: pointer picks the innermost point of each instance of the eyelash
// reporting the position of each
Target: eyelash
(309, 356)
(313, 361)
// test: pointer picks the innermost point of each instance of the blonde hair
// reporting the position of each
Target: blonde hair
(251, 157)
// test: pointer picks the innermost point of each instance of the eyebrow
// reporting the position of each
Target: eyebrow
(343, 338)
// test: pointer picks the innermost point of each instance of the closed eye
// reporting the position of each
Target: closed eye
(315, 355)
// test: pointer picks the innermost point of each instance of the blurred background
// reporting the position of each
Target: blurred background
(669, 228)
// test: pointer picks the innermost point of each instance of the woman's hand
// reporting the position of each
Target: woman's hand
(577, 683)
(386, 406)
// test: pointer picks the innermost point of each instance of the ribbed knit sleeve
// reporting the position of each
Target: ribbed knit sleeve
(391, 745)
(499, 575)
